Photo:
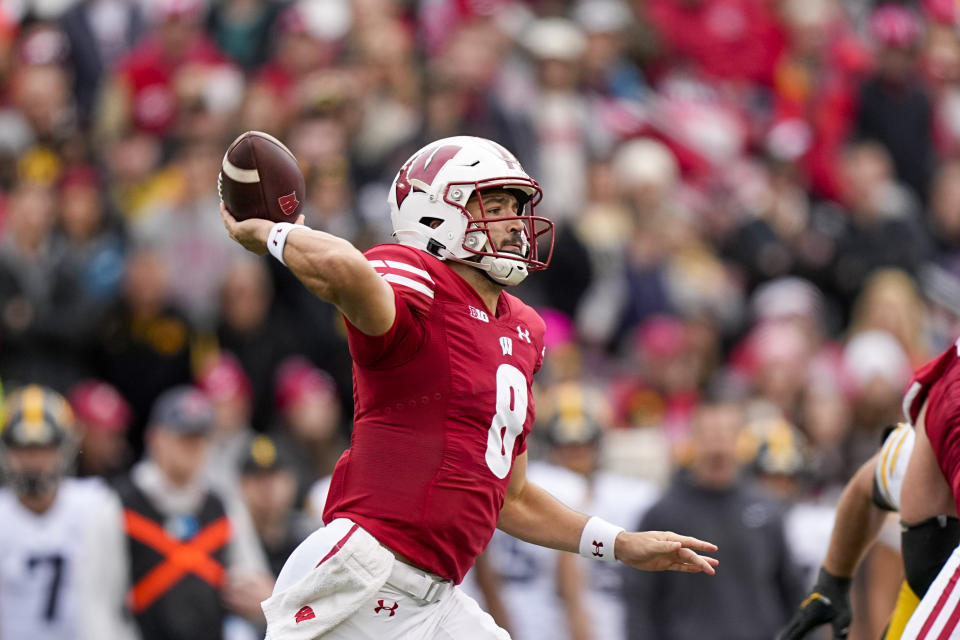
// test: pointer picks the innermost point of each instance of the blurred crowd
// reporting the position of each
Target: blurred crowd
(757, 202)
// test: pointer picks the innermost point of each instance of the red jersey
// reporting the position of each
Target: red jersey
(443, 406)
(938, 384)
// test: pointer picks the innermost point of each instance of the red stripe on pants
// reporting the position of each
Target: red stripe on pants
(339, 545)
(954, 615)
(939, 606)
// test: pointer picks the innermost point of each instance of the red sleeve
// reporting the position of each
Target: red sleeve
(395, 347)
(943, 410)
(413, 290)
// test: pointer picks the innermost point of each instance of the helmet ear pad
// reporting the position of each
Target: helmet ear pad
(436, 230)
(476, 240)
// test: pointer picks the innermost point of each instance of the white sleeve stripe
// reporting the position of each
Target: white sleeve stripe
(407, 282)
(393, 264)
(402, 266)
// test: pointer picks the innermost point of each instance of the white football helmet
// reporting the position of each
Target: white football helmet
(428, 207)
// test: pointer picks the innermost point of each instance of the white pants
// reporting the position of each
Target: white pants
(393, 613)
(938, 613)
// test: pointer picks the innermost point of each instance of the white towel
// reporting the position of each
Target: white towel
(352, 567)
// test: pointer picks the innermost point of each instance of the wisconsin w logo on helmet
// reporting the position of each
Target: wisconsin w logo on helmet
(428, 202)
(421, 170)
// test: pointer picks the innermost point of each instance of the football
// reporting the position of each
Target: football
(260, 178)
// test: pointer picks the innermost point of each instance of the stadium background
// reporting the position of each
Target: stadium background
(755, 196)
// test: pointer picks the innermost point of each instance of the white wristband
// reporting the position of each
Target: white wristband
(597, 539)
(277, 238)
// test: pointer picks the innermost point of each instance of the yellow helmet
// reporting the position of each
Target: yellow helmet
(35, 416)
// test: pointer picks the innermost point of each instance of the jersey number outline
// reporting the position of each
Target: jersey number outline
(57, 562)
(507, 423)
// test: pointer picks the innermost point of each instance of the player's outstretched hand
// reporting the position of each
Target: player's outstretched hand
(664, 551)
(251, 233)
(828, 602)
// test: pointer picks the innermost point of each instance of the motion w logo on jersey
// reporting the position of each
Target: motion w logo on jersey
(305, 613)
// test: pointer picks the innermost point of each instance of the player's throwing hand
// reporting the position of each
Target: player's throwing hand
(252, 233)
(664, 551)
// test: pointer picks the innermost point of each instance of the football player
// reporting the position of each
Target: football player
(931, 485)
(558, 595)
(55, 584)
(444, 360)
(926, 543)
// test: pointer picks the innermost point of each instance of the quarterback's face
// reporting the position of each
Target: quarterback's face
(507, 235)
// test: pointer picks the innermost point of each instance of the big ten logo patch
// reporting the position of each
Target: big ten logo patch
(479, 314)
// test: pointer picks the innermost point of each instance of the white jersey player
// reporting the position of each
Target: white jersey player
(552, 595)
(527, 573)
(55, 583)
(875, 488)
(619, 499)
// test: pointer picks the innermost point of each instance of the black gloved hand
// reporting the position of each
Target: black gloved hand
(828, 602)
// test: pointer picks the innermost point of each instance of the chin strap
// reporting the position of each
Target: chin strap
(504, 270)
(501, 270)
